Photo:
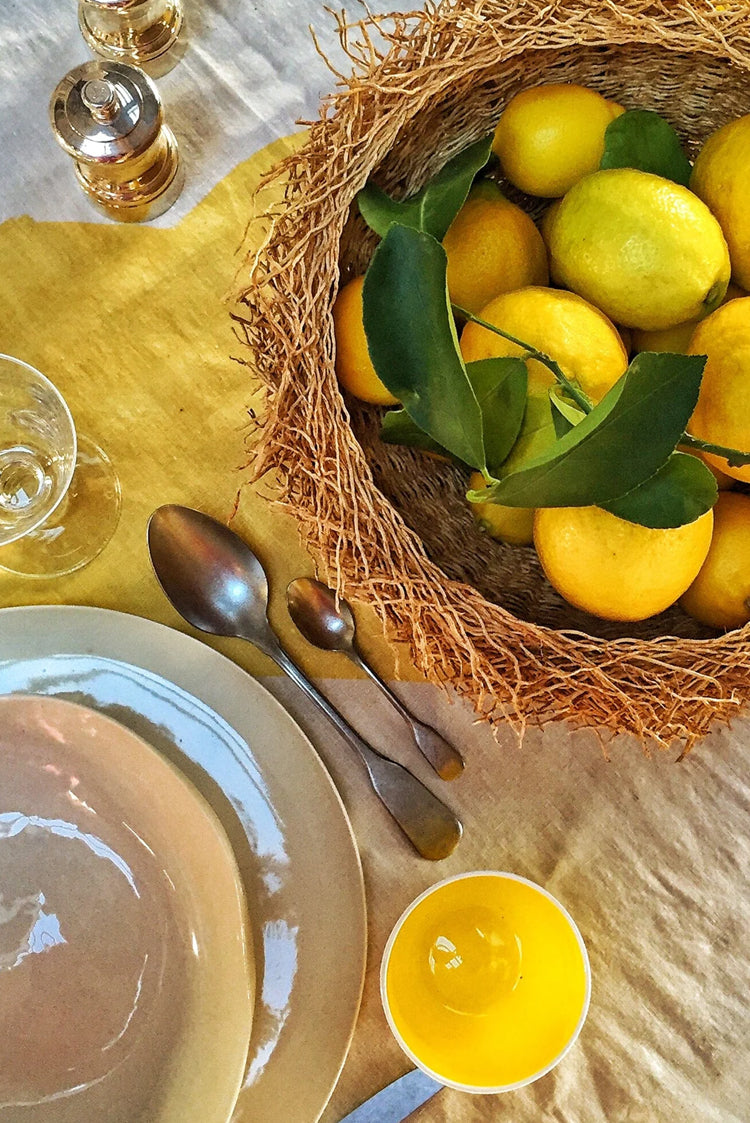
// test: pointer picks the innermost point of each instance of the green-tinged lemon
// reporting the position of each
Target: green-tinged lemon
(676, 340)
(547, 220)
(647, 251)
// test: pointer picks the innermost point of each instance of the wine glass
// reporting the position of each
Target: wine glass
(59, 494)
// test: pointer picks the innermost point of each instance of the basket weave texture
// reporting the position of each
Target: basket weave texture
(389, 526)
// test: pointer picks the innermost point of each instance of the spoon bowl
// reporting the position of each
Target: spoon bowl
(324, 620)
(210, 575)
(327, 621)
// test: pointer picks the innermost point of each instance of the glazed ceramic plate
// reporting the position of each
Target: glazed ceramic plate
(288, 829)
(126, 986)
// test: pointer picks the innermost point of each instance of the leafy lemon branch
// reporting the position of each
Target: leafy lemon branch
(734, 457)
(575, 392)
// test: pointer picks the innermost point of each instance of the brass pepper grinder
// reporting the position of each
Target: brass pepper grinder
(109, 117)
(143, 33)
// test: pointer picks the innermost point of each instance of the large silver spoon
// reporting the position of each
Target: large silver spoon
(330, 625)
(216, 583)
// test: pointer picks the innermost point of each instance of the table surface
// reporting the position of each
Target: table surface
(650, 856)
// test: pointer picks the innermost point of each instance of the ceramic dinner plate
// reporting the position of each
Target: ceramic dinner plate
(126, 987)
(290, 834)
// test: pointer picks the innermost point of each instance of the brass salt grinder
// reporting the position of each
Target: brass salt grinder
(144, 33)
(108, 116)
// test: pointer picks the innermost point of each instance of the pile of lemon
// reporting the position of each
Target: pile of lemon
(638, 263)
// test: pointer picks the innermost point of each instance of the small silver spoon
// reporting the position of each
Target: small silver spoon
(331, 626)
(216, 583)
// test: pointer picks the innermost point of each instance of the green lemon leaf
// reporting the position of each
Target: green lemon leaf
(397, 428)
(565, 413)
(681, 491)
(536, 435)
(434, 207)
(411, 337)
(625, 439)
(640, 138)
(500, 386)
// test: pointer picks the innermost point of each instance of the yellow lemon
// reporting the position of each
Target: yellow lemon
(564, 326)
(616, 569)
(722, 415)
(492, 246)
(674, 340)
(645, 250)
(720, 594)
(549, 136)
(514, 525)
(721, 177)
(354, 368)
(734, 292)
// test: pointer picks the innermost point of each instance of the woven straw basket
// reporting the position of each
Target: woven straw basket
(389, 526)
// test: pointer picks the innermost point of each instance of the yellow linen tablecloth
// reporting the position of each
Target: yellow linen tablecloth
(651, 858)
(130, 323)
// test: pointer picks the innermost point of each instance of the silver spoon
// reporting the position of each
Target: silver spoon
(331, 626)
(216, 583)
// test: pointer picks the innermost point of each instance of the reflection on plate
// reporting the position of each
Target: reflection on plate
(126, 990)
(290, 834)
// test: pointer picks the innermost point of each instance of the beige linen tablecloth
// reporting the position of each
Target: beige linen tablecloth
(650, 856)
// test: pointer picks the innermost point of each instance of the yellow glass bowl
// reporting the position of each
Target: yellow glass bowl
(485, 981)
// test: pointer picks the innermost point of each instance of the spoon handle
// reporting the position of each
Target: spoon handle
(431, 827)
(396, 1102)
(444, 758)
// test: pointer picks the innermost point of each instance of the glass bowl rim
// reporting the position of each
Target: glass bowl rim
(74, 454)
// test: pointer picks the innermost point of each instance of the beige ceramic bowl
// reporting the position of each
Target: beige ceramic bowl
(126, 976)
